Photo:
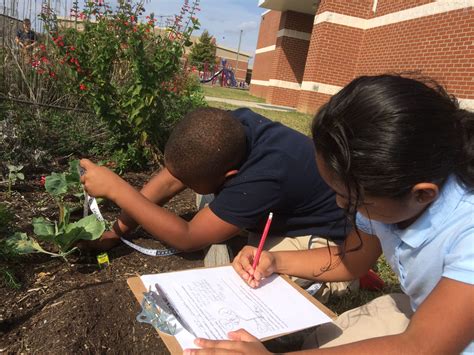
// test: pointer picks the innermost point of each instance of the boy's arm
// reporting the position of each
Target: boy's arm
(204, 229)
(159, 190)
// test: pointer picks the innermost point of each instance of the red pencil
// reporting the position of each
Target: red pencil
(262, 240)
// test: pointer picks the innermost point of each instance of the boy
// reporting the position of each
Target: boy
(26, 39)
(252, 165)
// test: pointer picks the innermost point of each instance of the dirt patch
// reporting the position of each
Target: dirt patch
(75, 307)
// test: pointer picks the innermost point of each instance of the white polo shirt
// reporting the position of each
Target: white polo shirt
(440, 243)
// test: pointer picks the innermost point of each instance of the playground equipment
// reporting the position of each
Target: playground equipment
(227, 77)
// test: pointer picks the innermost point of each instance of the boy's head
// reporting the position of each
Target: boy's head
(206, 146)
(27, 24)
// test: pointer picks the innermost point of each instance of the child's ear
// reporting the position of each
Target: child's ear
(425, 192)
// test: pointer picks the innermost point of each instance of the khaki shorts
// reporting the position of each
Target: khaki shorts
(385, 315)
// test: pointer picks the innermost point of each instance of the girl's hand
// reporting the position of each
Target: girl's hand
(243, 265)
(241, 342)
(99, 181)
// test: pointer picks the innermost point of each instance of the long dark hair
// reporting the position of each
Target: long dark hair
(381, 135)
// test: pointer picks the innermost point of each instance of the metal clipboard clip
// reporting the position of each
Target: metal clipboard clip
(155, 315)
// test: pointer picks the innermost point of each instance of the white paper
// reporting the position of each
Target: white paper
(215, 301)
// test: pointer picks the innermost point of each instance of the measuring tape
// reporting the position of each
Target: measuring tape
(94, 207)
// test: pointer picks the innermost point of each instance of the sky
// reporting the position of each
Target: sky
(222, 18)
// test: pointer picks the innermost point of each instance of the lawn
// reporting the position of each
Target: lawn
(296, 120)
(228, 93)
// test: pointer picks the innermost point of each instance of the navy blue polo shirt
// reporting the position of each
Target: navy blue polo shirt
(24, 36)
(279, 175)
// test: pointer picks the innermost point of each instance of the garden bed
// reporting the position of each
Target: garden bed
(76, 307)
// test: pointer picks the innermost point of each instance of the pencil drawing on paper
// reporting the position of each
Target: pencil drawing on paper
(230, 320)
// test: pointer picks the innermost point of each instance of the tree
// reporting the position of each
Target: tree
(203, 51)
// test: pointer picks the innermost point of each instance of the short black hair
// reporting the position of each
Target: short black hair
(27, 20)
(205, 145)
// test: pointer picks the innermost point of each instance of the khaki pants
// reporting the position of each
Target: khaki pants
(385, 315)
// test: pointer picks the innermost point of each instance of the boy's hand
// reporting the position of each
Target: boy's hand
(243, 265)
(107, 241)
(99, 181)
(241, 342)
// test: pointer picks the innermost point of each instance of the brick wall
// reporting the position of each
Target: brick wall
(282, 96)
(357, 8)
(269, 26)
(310, 102)
(388, 6)
(441, 46)
(296, 21)
(333, 52)
(290, 57)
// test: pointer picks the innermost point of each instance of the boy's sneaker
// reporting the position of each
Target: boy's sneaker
(371, 281)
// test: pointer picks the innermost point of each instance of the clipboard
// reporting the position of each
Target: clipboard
(137, 288)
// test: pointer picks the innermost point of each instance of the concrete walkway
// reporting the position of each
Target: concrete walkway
(251, 104)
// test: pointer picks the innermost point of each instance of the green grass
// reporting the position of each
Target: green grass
(228, 93)
(296, 120)
(352, 300)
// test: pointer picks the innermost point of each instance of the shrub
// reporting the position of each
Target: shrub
(130, 75)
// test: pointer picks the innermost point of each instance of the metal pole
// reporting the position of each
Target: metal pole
(238, 53)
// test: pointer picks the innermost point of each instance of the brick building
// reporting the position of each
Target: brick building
(308, 50)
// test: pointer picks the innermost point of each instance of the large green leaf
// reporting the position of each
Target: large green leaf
(56, 184)
(20, 243)
(88, 228)
(44, 229)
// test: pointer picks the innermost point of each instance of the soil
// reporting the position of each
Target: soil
(76, 307)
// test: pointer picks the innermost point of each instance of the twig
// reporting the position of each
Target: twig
(43, 105)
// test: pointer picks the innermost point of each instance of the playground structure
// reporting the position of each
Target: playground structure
(222, 74)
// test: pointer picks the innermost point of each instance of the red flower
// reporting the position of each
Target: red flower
(132, 18)
(43, 180)
(83, 87)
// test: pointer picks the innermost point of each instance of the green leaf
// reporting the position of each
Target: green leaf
(56, 184)
(88, 228)
(44, 229)
(20, 176)
(20, 243)
(73, 175)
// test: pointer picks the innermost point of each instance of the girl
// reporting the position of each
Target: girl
(399, 153)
